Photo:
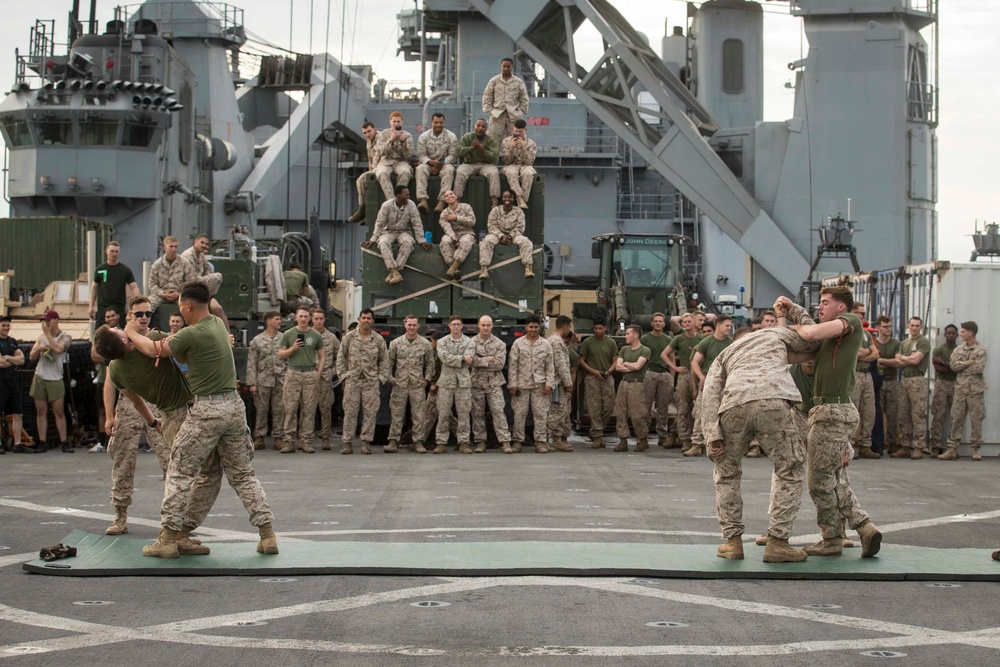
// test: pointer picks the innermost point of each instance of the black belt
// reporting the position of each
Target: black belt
(632, 379)
(831, 400)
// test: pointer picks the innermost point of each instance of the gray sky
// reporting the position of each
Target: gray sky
(969, 95)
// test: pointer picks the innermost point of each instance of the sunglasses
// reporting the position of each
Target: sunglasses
(143, 314)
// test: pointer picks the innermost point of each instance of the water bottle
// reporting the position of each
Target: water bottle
(428, 236)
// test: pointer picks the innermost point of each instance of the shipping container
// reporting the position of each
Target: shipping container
(940, 294)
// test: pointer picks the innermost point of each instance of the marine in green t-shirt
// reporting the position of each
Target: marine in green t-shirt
(304, 358)
(205, 348)
(598, 352)
(162, 385)
(683, 348)
(656, 344)
(710, 347)
(804, 383)
(887, 351)
(630, 355)
(295, 282)
(836, 360)
(942, 360)
(916, 343)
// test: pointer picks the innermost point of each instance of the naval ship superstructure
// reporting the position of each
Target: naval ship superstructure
(164, 122)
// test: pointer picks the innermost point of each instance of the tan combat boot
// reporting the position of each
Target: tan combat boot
(325, 444)
(484, 272)
(755, 452)
(480, 448)
(642, 445)
(778, 551)
(395, 277)
(868, 453)
(832, 547)
(949, 454)
(258, 442)
(517, 446)
(358, 215)
(440, 206)
(871, 539)
(289, 448)
(935, 452)
(506, 448)
(975, 453)
(540, 448)
(119, 526)
(597, 443)
(186, 546)
(694, 450)
(440, 449)
(347, 449)
(560, 445)
(268, 540)
(366, 447)
(528, 273)
(419, 448)
(165, 545)
(454, 270)
(278, 443)
(391, 447)
(521, 203)
(900, 453)
(916, 453)
(464, 448)
(422, 206)
(762, 540)
(731, 550)
(622, 445)
(307, 448)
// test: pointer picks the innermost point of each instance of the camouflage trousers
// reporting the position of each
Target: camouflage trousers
(491, 241)
(942, 401)
(697, 435)
(830, 430)
(519, 178)
(214, 436)
(406, 243)
(630, 403)
(913, 412)
(213, 281)
(416, 397)
(863, 399)
(659, 388)
(487, 171)
(457, 251)
(431, 419)
(684, 400)
(598, 401)
(890, 411)
(386, 169)
(559, 416)
(539, 403)
(324, 401)
(461, 398)
(362, 186)
(492, 397)
(447, 175)
(772, 424)
(364, 396)
(973, 405)
(300, 395)
(500, 127)
(123, 449)
(207, 484)
(269, 399)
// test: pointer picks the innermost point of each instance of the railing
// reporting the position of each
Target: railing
(554, 140)
(229, 17)
(640, 206)
(921, 102)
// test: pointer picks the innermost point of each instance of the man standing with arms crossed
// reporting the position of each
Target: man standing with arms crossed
(487, 386)
(50, 352)
(266, 379)
(942, 399)
(888, 348)
(913, 357)
(302, 349)
(658, 383)
(457, 353)
(411, 368)
(677, 356)
(363, 367)
(863, 396)
(598, 356)
(832, 421)
(631, 398)
(216, 422)
(969, 362)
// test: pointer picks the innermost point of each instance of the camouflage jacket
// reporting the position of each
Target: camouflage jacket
(465, 224)
(393, 219)
(411, 362)
(560, 360)
(394, 150)
(164, 275)
(487, 374)
(970, 364)
(531, 365)
(441, 148)
(510, 95)
(523, 154)
(264, 368)
(454, 370)
(501, 223)
(363, 359)
(331, 345)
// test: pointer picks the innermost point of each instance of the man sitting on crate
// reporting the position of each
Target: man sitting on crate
(396, 218)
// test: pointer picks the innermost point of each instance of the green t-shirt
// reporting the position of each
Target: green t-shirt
(110, 283)
(711, 347)
(683, 348)
(205, 348)
(630, 355)
(304, 358)
(163, 385)
(943, 352)
(599, 353)
(835, 362)
(911, 345)
(889, 350)
(864, 366)
(656, 345)
(804, 383)
(295, 283)
(574, 356)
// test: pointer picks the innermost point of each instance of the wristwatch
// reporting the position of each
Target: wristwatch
(154, 423)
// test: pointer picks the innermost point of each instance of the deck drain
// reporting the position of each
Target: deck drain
(567, 477)
(249, 624)
(86, 471)
(883, 654)
(277, 580)
(598, 523)
(942, 584)
(324, 523)
(704, 516)
(648, 473)
(341, 505)
(94, 505)
(93, 603)
(666, 624)
(446, 483)
(279, 471)
(430, 604)
(821, 605)
(916, 502)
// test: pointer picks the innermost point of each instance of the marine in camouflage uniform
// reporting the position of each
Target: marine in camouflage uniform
(598, 356)
(969, 362)
(123, 448)
(395, 148)
(942, 398)
(167, 274)
(265, 377)
(436, 155)
(630, 401)
(487, 386)
(558, 426)
(505, 224)
(457, 353)
(411, 367)
(399, 222)
(371, 144)
(531, 377)
(458, 222)
(197, 256)
(863, 398)
(518, 153)
(749, 394)
(302, 349)
(363, 367)
(914, 352)
(324, 399)
(658, 383)
(888, 347)
(479, 152)
(505, 99)
(681, 350)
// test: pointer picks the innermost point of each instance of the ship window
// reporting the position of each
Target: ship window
(54, 131)
(16, 133)
(98, 132)
(138, 134)
(732, 66)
